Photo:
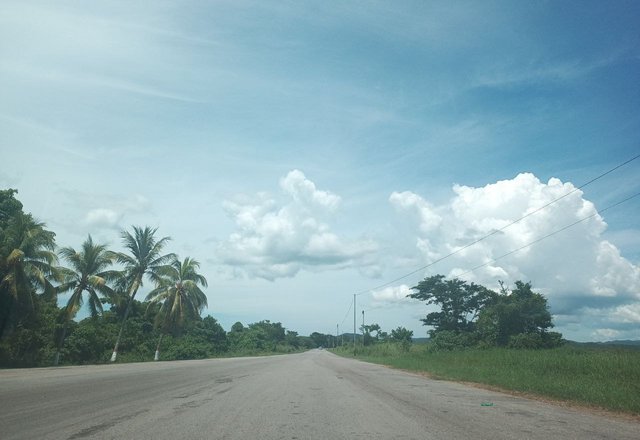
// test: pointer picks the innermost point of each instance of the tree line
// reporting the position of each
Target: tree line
(35, 331)
(472, 315)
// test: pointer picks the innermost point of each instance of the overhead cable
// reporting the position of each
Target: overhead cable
(495, 231)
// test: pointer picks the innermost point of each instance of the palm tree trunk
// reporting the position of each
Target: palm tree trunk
(56, 359)
(157, 355)
(114, 355)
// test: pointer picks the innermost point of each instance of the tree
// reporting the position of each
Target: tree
(272, 333)
(145, 260)
(87, 274)
(319, 339)
(27, 264)
(460, 303)
(292, 339)
(402, 336)
(178, 291)
(237, 327)
(513, 314)
(367, 330)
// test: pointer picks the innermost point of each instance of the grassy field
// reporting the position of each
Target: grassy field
(607, 378)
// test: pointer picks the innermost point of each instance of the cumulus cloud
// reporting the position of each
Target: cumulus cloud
(118, 207)
(577, 269)
(278, 239)
(304, 191)
(104, 218)
(393, 295)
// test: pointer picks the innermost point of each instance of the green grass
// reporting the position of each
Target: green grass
(607, 378)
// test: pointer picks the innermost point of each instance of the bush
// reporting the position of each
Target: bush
(449, 340)
(535, 340)
(526, 340)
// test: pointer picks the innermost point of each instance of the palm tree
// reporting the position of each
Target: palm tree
(145, 260)
(180, 296)
(27, 263)
(87, 274)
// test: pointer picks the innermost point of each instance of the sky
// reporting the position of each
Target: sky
(307, 151)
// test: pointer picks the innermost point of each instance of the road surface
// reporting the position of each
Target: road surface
(313, 395)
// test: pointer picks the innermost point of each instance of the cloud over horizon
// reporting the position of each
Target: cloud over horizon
(578, 270)
(278, 239)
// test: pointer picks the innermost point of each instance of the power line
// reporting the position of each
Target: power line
(549, 235)
(495, 231)
(347, 314)
(538, 239)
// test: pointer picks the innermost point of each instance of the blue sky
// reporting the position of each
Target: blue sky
(305, 151)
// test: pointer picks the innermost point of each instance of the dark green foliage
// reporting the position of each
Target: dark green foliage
(9, 208)
(292, 339)
(472, 315)
(401, 334)
(447, 340)
(322, 340)
(319, 339)
(27, 264)
(31, 342)
(263, 337)
(460, 303)
(31, 323)
(179, 295)
(535, 340)
(369, 337)
(403, 337)
(89, 341)
(519, 318)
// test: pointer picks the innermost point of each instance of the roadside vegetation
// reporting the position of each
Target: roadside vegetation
(601, 377)
(502, 339)
(35, 330)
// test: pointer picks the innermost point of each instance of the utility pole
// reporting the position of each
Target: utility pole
(354, 324)
(363, 328)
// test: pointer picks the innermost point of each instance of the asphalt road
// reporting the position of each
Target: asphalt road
(314, 395)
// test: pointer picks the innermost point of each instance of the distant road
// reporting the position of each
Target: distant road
(314, 395)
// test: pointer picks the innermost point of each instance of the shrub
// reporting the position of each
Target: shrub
(446, 340)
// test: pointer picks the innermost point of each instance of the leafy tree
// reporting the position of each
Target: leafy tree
(178, 290)
(319, 339)
(367, 331)
(446, 340)
(401, 334)
(213, 333)
(237, 327)
(270, 333)
(460, 303)
(513, 314)
(145, 260)
(87, 274)
(403, 337)
(9, 207)
(292, 339)
(27, 265)
(31, 342)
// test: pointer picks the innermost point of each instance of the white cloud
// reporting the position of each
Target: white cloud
(113, 211)
(576, 269)
(275, 240)
(304, 191)
(605, 334)
(627, 314)
(103, 217)
(393, 295)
